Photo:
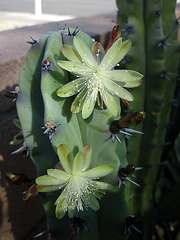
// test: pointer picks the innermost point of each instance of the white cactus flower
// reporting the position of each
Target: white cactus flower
(77, 181)
(97, 80)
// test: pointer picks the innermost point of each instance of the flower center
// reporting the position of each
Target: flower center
(77, 193)
(95, 81)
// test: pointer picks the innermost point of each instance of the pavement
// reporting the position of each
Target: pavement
(22, 13)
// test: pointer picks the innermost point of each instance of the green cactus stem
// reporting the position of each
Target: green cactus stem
(69, 139)
(152, 29)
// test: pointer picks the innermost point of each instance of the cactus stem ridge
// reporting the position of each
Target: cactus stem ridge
(163, 42)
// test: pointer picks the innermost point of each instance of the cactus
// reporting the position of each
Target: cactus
(152, 27)
(77, 143)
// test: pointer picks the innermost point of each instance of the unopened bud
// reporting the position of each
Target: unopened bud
(132, 119)
(115, 34)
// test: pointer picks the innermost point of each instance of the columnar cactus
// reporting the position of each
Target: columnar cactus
(152, 27)
(75, 143)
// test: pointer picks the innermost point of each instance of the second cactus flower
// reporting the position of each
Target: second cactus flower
(80, 189)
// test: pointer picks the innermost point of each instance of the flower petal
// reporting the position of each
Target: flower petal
(98, 51)
(97, 172)
(115, 54)
(93, 203)
(131, 84)
(89, 103)
(84, 52)
(117, 90)
(78, 163)
(76, 68)
(71, 88)
(101, 185)
(47, 180)
(99, 193)
(88, 156)
(58, 174)
(60, 209)
(35, 189)
(97, 48)
(65, 157)
(123, 75)
(61, 198)
(78, 102)
(70, 53)
(48, 188)
(71, 209)
(111, 102)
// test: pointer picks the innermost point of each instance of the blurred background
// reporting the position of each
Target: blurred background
(20, 13)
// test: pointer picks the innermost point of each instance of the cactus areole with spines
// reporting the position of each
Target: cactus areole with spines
(70, 93)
